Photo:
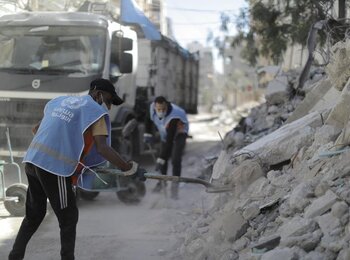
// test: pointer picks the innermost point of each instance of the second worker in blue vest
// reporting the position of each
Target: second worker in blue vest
(172, 125)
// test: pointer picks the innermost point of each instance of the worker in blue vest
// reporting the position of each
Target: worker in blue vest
(172, 125)
(73, 135)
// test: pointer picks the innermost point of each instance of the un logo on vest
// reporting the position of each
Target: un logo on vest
(73, 102)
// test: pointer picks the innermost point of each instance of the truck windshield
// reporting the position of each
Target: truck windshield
(72, 50)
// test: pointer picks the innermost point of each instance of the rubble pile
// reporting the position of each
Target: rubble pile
(288, 166)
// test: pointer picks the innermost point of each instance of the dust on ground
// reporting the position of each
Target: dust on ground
(110, 229)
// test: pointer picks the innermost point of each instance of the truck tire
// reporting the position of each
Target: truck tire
(135, 191)
(87, 195)
(16, 208)
(127, 146)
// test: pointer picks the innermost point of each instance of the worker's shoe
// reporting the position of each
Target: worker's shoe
(174, 190)
(159, 186)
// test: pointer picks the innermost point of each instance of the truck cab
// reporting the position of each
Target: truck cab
(49, 54)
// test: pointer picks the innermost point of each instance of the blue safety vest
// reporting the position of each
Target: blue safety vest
(176, 113)
(59, 142)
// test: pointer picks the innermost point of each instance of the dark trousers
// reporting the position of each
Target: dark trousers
(176, 155)
(43, 185)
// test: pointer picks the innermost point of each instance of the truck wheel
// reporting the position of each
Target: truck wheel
(87, 195)
(16, 207)
(135, 191)
(127, 145)
(126, 148)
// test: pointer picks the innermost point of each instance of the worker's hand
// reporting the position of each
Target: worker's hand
(132, 170)
(159, 164)
(139, 174)
(135, 172)
(148, 138)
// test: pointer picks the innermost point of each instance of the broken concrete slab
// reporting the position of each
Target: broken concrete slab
(300, 196)
(195, 246)
(329, 100)
(340, 169)
(343, 138)
(326, 134)
(244, 175)
(307, 241)
(331, 229)
(234, 226)
(339, 209)
(257, 190)
(328, 224)
(251, 211)
(297, 226)
(321, 205)
(277, 90)
(222, 165)
(240, 244)
(338, 67)
(282, 144)
(267, 243)
(233, 139)
(339, 116)
(317, 99)
(344, 254)
(315, 256)
(281, 253)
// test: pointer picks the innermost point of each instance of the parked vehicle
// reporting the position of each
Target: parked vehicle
(48, 54)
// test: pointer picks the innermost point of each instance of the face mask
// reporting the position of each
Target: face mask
(160, 114)
(103, 104)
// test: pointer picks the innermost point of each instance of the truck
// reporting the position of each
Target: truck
(49, 54)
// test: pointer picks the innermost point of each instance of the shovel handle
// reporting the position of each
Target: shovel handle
(156, 176)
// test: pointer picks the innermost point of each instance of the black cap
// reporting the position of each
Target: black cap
(107, 86)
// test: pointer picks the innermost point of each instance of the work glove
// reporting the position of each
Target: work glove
(148, 138)
(159, 164)
(135, 172)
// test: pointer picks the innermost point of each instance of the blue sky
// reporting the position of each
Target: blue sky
(192, 19)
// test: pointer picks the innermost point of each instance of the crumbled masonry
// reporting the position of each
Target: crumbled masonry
(289, 164)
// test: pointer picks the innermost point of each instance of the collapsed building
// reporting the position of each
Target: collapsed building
(288, 165)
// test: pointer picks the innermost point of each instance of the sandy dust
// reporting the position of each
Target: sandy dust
(110, 229)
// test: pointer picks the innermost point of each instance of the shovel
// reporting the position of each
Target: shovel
(210, 188)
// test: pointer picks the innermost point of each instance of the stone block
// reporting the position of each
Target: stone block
(339, 209)
(277, 91)
(285, 142)
(234, 226)
(251, 211)
(300, 196)
(297, 226)
(280, 253)
(321, 205)
(328, 224)
(267, 243)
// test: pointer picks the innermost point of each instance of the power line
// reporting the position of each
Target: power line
(205, 23)
(199, 10)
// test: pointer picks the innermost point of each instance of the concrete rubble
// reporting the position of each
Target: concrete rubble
(288, 166)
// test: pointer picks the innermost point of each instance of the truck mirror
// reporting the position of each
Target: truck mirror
(125, 63)
(120, 46)
(125, 44)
